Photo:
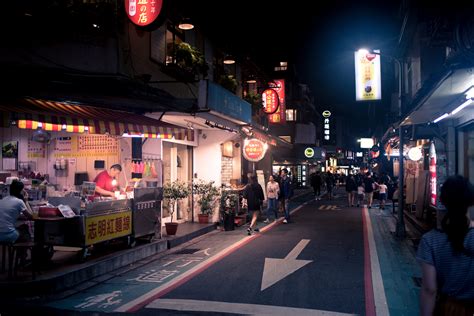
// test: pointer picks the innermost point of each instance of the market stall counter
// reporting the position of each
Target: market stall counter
(98, 222)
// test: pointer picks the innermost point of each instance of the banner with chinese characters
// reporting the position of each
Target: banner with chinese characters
(367, 76)
(254, 150)
(328, 128)
(270, 101)
(36, 149)
(107, 227)
(85, 146)
(279, 117)
(143, 12)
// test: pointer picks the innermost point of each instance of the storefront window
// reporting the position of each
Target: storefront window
(291, 115)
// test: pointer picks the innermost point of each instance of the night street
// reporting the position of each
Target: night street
(315, 264)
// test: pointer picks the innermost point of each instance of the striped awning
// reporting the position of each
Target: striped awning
(60, 116)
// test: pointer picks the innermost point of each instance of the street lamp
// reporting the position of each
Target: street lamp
(400, 230)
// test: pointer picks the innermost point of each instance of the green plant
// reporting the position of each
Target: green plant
(255, 99)
(175, 191)
(207, 193)
(190, 58)
(229, 202)
(228, 82)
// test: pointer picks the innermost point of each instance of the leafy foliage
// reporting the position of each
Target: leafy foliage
(229, 202)
(175, 191)
(208, 194)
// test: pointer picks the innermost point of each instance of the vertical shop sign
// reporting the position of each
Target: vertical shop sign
(327, 127)
(143, 12)
(367, 75)
(279, 117)
(432, 168)
(270, 100)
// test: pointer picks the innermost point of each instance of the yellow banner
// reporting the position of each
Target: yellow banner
(106, 227)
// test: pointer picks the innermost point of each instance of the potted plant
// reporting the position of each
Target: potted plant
(189, 58)
(174, 191)
(228, 208)
(207, 197)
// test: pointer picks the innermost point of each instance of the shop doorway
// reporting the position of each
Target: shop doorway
(177, 166)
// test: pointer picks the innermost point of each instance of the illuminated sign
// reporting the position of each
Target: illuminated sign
(366, 143)
(143, 12)
(326, 126)
(254, 150)
(415, 154)
(367, 73)
(279, 117)
(433, 182)
(106, 227)
(309, 152)
(270, 101)
(359, 154)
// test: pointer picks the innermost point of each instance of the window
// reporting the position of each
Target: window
(173, 37)
(291, 115)
(162, 45)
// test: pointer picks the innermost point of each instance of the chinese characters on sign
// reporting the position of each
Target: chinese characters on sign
(106, 227)
(279, 117)
(143, 12)
(327, 127)
(270, 101)
(367, 72)
(254, 149)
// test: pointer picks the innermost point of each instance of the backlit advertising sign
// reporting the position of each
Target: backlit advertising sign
(270, 101)
(143, 12)
(254, 150)
(367, 75)
(279, 117)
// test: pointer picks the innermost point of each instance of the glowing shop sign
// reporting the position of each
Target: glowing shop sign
(270, 101)
(143, 12)
(254, 150)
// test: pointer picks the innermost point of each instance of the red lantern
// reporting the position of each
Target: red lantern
(143, 12)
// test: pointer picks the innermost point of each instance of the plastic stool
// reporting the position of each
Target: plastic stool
(7, 251)
(15, 259)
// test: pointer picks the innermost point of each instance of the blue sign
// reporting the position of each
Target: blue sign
(223, 101)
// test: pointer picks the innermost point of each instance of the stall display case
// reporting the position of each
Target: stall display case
(146, 210)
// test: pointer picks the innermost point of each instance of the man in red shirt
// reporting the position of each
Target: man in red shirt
(106, 183)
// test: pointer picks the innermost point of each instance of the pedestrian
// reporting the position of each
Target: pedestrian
(253, 193)
(382, 187)
(329, 184)
(446, 255)
(360, 193)
(351, 189)
(369, 187)
(286, 192)
(273, 190)
(316, 181)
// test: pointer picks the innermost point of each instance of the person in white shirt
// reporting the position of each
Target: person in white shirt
(13, 208)
(382, 194)
(273, 189)
(360, 193)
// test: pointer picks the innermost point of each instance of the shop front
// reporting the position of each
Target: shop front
(57, 149)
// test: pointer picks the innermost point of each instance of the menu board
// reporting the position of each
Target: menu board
(86, 146)
(36, 149)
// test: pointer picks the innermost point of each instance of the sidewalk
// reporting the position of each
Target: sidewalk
(65, 271)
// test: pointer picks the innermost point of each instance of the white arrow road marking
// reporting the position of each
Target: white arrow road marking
(278, 269)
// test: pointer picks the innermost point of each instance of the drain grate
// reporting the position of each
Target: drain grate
(188, 251)
(417, 281)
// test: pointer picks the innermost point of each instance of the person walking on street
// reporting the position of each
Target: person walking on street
(351, 189)
(273, 189)
(329, 184)
(253, 193)
(382, 194)
(316, 181)
(286, 193)
(446, 255)
(369, 184)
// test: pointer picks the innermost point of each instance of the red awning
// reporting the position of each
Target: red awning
(61, 116)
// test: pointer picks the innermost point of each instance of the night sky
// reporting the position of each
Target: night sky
(318, 37)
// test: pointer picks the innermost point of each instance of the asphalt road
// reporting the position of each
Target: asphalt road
(313, 265)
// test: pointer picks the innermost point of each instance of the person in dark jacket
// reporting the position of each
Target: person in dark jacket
(316, 181)
(286, 192)
(253, 192)
(351, 189)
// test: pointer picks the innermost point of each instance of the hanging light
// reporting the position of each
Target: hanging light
(185, 24)
(229, 60)
(251, 79)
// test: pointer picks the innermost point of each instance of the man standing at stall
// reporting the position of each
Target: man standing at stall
(106, 182)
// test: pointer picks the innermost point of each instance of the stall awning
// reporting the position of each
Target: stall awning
(61, 116)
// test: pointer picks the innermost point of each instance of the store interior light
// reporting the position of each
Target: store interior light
(139, 135)
(251, 79)
(185, 24)
(229, 60)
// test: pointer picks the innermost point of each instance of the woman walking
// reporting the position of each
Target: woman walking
(253, 192)
(273, 189)
(447, 255)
